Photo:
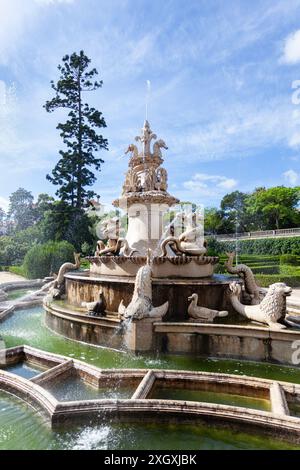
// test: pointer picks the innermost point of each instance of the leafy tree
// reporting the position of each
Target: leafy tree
(21, 209)
(44, 203)
(233, 206)
(73, 172)
(2, 221)
(277, 206)
(62, 222)
(213, 220)
(13, 248)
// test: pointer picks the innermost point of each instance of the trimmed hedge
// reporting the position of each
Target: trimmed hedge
(46, 259)
(264, 280)
(291, 260)
(260, 246)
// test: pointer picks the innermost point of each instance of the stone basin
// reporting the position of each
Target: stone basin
(162, 266)
(84, 287)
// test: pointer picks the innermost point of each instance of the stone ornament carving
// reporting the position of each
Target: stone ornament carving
(157, 146)
(141, 303)
(111, 232)
(57, 288)
(133, 150)
(132, 182)
(145, 173)
(271, 309)
(202, 314)
(188, 243)
(255, 292)
(145, 138)
(161, 183)
(96, 308)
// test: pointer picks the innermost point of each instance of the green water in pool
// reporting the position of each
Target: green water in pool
(211, 397)
(23, 428)
(27, 327)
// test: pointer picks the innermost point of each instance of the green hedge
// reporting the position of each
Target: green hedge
(264, 280)
(265, 269)
(45, 259)
(261, 246)
(291, 260)
(17, 270)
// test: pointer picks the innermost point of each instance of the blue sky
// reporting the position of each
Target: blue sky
(221, 89)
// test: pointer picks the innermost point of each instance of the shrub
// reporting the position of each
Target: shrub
(44, 259)
(17, 270)
(260, 246)
(264, 280)
(291, 260)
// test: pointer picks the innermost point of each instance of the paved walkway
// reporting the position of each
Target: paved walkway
(295, 294)
(6, 276)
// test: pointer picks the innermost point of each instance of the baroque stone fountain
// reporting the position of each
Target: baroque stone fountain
(151, 285)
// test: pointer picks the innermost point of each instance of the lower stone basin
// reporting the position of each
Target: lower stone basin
(211, 291)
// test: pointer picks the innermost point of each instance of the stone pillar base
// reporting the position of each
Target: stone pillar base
(139, 335)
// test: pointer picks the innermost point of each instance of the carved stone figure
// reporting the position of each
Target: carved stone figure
(157, 146)
(111, 232)
(141, 303)
(145, 138)
(161, 179)
(271, 309)
(150, 180)
(203, 314)
(187, 243)
(133, 150)
(132, 182)
(58, 287)
(96, 308)
(255, 292)
(114, 248)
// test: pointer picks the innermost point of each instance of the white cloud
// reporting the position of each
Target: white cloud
(209, 185)
(291, 177)
(51, 2)
(4, 203)
(227, 183)
(291, 51)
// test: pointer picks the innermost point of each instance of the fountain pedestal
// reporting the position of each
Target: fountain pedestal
(139, 335)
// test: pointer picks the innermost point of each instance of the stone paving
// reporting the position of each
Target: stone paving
(6, 276)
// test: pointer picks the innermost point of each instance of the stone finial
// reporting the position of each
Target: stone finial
(145, 138)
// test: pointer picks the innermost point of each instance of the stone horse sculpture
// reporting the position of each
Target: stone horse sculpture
(157, 146)
(133, 150)
(141, 303)
(271, 309)
(255, 292)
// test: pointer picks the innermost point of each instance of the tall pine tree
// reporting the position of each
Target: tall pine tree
(74, 171)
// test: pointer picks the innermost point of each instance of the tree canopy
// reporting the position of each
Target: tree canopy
(263, 209)
(21, 210)
(73, 173)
